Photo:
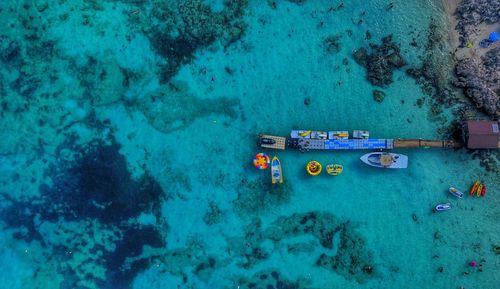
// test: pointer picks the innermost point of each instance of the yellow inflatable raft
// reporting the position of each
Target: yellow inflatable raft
(313, 168)
(334, 170)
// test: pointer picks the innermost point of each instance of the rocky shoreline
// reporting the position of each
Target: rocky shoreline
(477, 69)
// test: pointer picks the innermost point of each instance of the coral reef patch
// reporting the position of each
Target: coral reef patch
(351, 258)
(380, 61)
(434, 74)
(270, 279)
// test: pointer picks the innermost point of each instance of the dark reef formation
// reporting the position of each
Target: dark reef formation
(435, 73)
(381, 62)
(270, 279)
(91, 204)
(179, 29)
(351, 258)
(471, 13)
(378, 95)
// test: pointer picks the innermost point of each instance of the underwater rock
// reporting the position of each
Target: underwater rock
(10, 53)
(213, 214)
(332, 44)
(382, 61)
(307, 101)
(378, 95)
(471, 13)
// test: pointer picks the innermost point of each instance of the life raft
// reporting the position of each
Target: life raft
(313, 168)
(334, 170)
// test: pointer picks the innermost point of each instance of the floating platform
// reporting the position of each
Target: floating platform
(305, 143)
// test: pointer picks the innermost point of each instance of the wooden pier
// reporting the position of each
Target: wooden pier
(477, 134)
(423, 143)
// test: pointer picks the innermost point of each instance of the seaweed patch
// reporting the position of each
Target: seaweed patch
(87, 216)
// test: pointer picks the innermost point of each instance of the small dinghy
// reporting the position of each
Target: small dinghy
(276, 174)
(455, 192)
(443, 207)
(385, 160)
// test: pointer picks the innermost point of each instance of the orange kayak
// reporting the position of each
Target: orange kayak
(474, 187)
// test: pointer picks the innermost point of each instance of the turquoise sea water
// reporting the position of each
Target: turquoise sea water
(129, 127)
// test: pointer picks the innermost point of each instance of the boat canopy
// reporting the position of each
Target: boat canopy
(386, 160)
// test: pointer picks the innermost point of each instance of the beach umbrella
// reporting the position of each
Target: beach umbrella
(494, 36)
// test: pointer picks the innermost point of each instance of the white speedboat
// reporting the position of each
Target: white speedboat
(386, 160)
(443, 207)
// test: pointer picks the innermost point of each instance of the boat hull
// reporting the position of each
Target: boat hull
(374, 159)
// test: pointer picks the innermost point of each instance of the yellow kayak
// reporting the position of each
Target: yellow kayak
(305, 133)
(478, 190)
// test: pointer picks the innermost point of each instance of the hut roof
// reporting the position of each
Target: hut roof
(482, 134)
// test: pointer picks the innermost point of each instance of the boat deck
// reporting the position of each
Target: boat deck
(280, 142)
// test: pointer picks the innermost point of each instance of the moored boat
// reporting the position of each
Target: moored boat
(443, 207)
(276, 173)
(455, 192)
(385, 160)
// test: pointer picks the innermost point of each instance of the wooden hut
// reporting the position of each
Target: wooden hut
(481, 134)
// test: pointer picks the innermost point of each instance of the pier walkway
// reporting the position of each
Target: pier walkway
(323, 143)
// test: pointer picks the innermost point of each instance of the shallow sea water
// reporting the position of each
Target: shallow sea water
(114, 177)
